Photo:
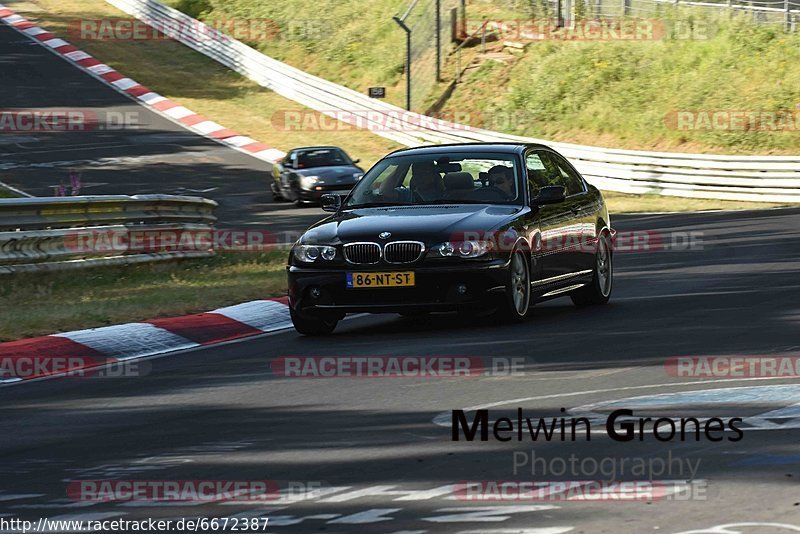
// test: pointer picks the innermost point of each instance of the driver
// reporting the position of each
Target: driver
(425, 181)
(502, 178)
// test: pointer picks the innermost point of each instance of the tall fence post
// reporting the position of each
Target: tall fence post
(463, 18)
(438, 40)
(408, 59)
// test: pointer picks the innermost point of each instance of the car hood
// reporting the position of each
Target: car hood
(430, 224)
(332, 174)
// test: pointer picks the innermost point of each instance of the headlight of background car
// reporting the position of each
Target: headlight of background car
(311, 253)
(307, 182)
(461, 249)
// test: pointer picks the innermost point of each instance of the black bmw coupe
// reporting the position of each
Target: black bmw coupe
(454, 227)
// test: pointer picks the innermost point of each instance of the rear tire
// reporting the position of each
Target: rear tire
(516, 301)
(598, 291)
(312, 326)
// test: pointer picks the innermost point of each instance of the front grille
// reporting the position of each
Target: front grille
(362, 253)
(403, 251)
(335, 187)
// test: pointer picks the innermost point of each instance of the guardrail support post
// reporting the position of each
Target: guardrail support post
(787, 16)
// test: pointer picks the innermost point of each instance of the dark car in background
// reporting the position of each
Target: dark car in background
(305, 174)
(454, 227)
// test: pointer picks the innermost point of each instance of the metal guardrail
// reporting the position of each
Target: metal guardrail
(754, 178)
(59, 233)
(778, 12)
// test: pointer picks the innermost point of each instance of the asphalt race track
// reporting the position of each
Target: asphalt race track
(150, 155)
(372, 444)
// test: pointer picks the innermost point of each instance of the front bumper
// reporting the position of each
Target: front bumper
(436, 288)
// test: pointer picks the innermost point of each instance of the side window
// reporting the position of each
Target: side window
(572, 181)
(537, 173)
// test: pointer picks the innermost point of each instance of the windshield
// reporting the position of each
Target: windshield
(454, 178)
(322, 157)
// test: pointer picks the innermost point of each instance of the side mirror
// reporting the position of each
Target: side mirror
(551, 194)
(356, 161)
(331, 202)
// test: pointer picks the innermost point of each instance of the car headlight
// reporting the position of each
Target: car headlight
(311, 253)
(307, 182)
(461, 249)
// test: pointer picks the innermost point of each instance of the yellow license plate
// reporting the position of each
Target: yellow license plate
(365, 280)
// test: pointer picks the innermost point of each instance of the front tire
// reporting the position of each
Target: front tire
(312, 326)
(517, 298)
(598, 291)
(276, 196)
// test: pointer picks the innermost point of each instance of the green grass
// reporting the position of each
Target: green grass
(5, 193)
(353, 43)
(624, 94)
(625, 203)
(612, 93)
(34, 304)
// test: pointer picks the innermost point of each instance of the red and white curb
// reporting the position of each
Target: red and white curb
(124, 342)
(133, 89)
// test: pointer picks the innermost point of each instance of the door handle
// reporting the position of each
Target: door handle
(576, 209)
